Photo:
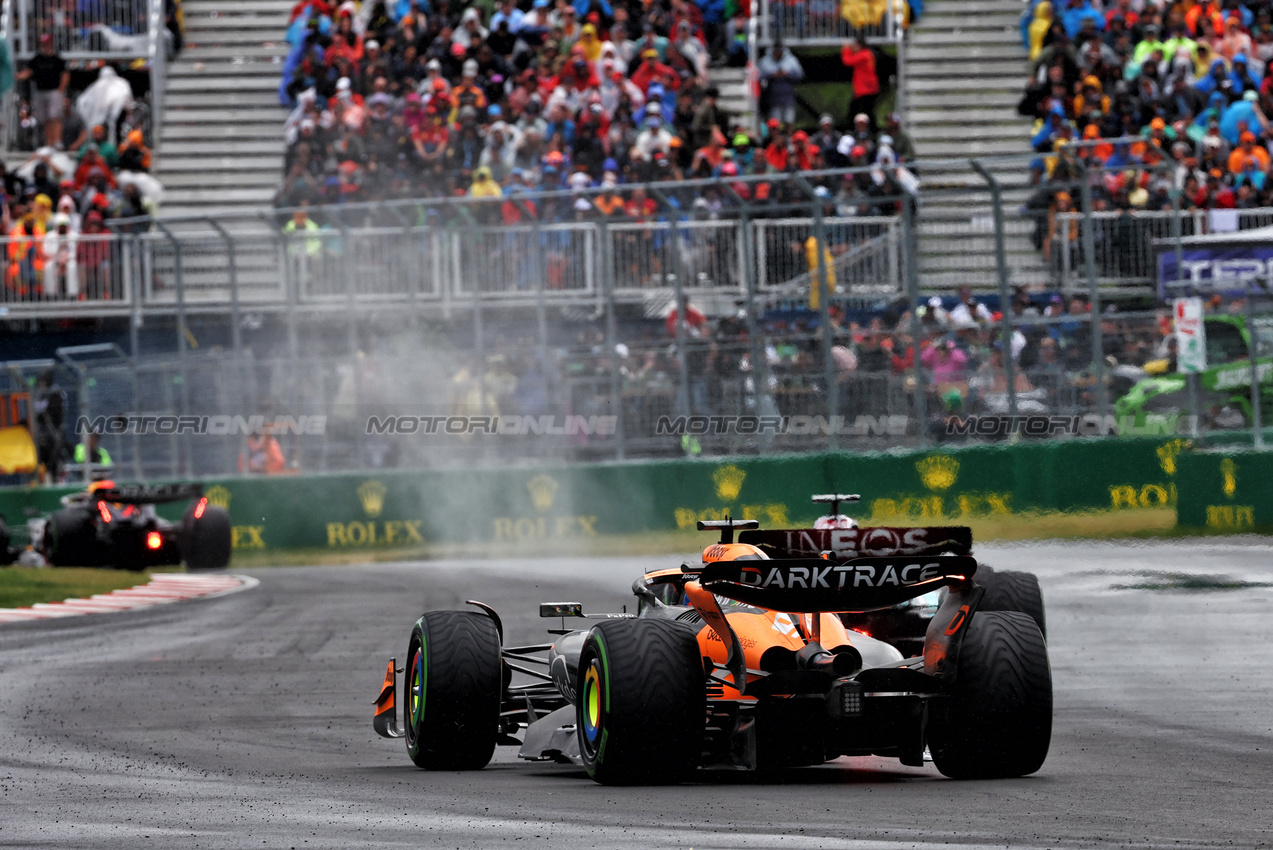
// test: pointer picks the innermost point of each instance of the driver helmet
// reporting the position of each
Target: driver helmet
(835, 521)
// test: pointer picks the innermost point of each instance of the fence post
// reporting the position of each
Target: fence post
(1253, 345)
(133, 258)
(1094, 292)
(606, 274)
(829, 376)
(683, 398)
(911, 258)
(759, 365)
(182, 334)
(1001, 265)
(236, 333)
(411, 272)
(157, 48)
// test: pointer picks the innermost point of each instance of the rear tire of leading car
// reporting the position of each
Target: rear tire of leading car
(69, 539)
(1011, 590)
(641, 706)
(452, 690)
(206, 542)
(997, 721)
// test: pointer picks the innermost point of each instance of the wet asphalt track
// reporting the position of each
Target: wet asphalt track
(246, 722)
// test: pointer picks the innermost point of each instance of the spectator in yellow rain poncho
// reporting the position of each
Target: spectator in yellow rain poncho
(867, 13)
(484, 186)
(815, 285)
(1039, 28)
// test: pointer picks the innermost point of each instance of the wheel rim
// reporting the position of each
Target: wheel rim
(417, 677)
(591, 719)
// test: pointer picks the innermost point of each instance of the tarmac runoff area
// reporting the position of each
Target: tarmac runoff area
(245, 721)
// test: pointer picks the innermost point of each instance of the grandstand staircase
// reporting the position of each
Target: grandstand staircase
(220, 148)
(732, 83)
(965, 72)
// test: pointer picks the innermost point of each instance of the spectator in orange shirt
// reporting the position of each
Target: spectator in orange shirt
(709, 157)
(777, 152)
(609, 202)
(1206, 20)
(1246, 150)
(264, 456)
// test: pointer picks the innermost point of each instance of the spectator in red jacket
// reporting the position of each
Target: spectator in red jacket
(654, 71)
(866, 82)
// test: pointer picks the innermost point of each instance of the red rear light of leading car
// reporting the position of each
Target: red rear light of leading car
(154, 540)
(105, 511)
(200, 508)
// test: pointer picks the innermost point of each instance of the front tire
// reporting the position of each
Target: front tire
(997, 722)
(452, 690)
(641, 708)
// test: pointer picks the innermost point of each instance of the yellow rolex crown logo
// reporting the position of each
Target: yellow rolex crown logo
(1229, 470)
(372, 496)
(218, 496)
(938, 472)
(1167, 454)
(543, 491)
(729, 482)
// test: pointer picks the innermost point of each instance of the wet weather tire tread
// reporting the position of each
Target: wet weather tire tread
(463, 686)
(1011, 590)
(998, 719)
(656, 711)
(70, 539)
(206, 542)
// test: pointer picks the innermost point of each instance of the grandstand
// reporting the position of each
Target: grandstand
(331, 193)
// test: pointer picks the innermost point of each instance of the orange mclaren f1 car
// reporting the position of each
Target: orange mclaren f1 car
(743, 661)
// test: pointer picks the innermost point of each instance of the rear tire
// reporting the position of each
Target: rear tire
(452, 690)
(206, 541)
(641, 709)
(997, 722)
(70, 538)
(1011, 590)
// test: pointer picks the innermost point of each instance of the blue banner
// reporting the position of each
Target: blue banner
(1213, 268)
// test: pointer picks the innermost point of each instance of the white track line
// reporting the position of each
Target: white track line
(160, 590)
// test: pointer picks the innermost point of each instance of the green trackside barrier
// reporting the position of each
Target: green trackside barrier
(1226, 490)
(409, 508)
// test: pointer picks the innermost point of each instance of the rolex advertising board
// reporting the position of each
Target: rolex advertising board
(404, 509)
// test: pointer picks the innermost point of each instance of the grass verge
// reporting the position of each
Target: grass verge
(20, 586)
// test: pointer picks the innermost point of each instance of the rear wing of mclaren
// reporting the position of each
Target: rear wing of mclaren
(877, 541)
(808, 585)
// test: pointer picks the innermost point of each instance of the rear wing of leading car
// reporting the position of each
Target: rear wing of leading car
(807, 585)
(142, 494)
(877, 541)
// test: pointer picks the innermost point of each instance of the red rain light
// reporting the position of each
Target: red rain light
(153, 540)
(105, 511)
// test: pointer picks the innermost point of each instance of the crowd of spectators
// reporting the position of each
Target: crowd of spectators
(1154, 96)
(494, 99)
(873, 360)
(91, 165)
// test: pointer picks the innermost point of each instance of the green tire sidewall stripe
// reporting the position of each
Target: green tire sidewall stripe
(416, 719)
(605, 697)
